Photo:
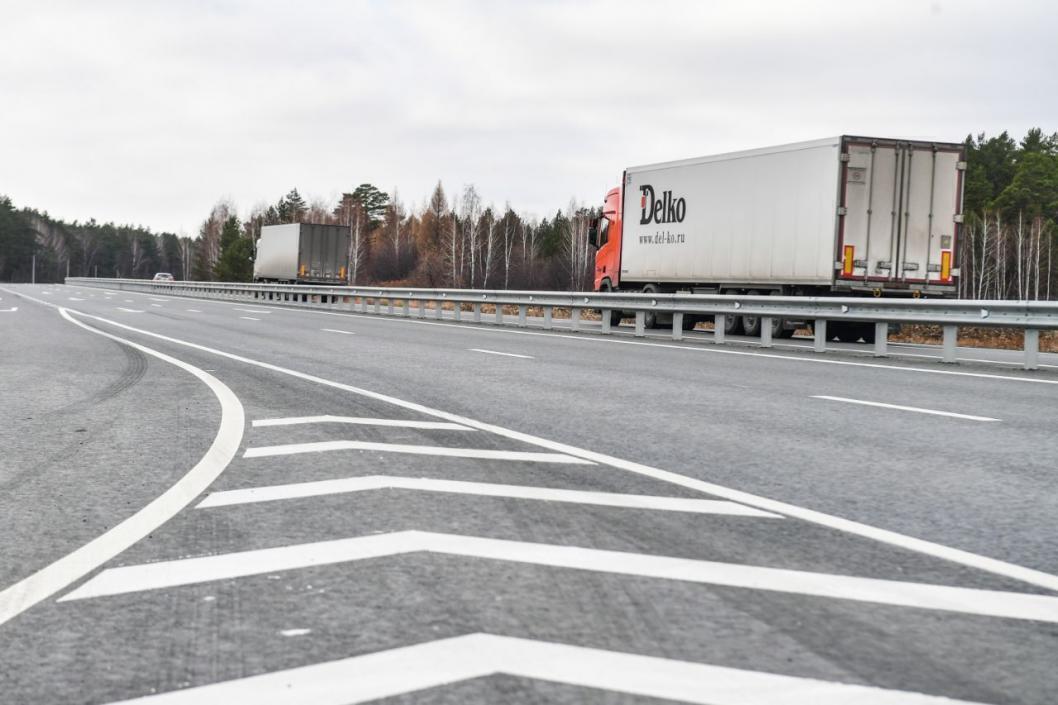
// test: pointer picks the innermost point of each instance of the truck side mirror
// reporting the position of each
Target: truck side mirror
(593, 234)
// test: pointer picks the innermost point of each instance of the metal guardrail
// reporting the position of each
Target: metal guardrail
(1031, 317)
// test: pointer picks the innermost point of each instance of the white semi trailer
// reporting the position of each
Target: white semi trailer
(302, 253)
(834, 217)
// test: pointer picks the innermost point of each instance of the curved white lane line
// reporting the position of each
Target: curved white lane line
(893, 538)
(57, 576)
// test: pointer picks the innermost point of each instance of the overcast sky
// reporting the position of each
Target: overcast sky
(150, 112)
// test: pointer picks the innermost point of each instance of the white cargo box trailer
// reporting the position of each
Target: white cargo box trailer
(844, 214)
(302, 253)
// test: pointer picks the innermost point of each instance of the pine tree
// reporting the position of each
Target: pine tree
(236, 254)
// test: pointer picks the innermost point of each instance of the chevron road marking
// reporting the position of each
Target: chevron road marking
(189, 571)
(296, 420)
(481, 453)
(385, 674)
(383, 482)
(892, 538)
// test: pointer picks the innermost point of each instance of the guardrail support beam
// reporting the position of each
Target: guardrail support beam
(523, 314)
(677, 326)
(574, 319)
(881, 339)
(951, 337)
(499, 314)
(765, 331)
(605, 320)
(719, 323)
(819, 331)
(458, 310)
(477, 313)
(1032, 349)
(547, 317)
(641, 324)
(439, 309)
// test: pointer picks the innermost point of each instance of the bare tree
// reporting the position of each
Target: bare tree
(470, 215)
(489, 229)
(508, 243)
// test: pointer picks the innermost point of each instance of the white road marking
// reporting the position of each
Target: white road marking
(158, 298)
(892, 538)
(9, 310)
(363, 421)
(74, 298)
(899, 407)
(419, 667)
(295, 632)
(58, 575)
(47, 293)
(484, 489)
(157, 305)
(496, 352)
(129, 301)
(249, 318)
(130, 310)
(251, 310)
(480, 453)
(193, 310)
(335, 330)
(192, 571)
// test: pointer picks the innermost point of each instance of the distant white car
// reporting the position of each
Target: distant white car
(163, 277)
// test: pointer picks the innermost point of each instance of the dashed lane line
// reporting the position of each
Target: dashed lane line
(249, 318)
(419, 667)
(893, 538)
(362, 421)
(252, 310)
(130, 310)
(497, 352)
(443, 451)
(193, 571)
(335, 330)
(320, 488)
(58, 575)
(900, 407)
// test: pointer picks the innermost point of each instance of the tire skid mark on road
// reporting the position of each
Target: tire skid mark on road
(60, 574)
(892, 538)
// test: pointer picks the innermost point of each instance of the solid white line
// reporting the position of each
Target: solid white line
(481, 453)
(419, 667)
(483, 489)
(335, 330)
(130, 310)
(899, 407)
(191, 571)
(58, 575)
(495, 352)
(363, 421)
(248, 318)
(893, 538)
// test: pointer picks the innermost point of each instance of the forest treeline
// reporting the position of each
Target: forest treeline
(1007, 248)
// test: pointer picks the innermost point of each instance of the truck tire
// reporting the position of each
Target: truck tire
(650, 318)
(732, 325)
(615, 316)
(751, 324)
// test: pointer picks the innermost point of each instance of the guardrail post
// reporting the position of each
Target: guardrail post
(606, 320)
(363, 304)
(881, 338)
(1032, 349)
(719, 323)
(477, 313)
(439, 309)
(765, 331)
(641, 324)
(819, 329)
(951, 336)
(499, 314)
(677, 326)
(523, 313)
(457, 310)
(406, 306)
(547, 317)
(574, 319)
(378, 306)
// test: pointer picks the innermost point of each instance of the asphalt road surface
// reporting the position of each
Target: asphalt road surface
(213, 502)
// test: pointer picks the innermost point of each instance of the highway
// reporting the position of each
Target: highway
(205, 501)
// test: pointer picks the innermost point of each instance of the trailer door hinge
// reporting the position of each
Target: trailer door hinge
(842, 210)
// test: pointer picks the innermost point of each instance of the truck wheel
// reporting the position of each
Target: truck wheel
(651, 318)
(732, 325)
(751, 324)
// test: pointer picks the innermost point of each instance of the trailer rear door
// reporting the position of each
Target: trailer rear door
(902, 202)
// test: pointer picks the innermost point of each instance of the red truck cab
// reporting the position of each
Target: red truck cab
(608, 243)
